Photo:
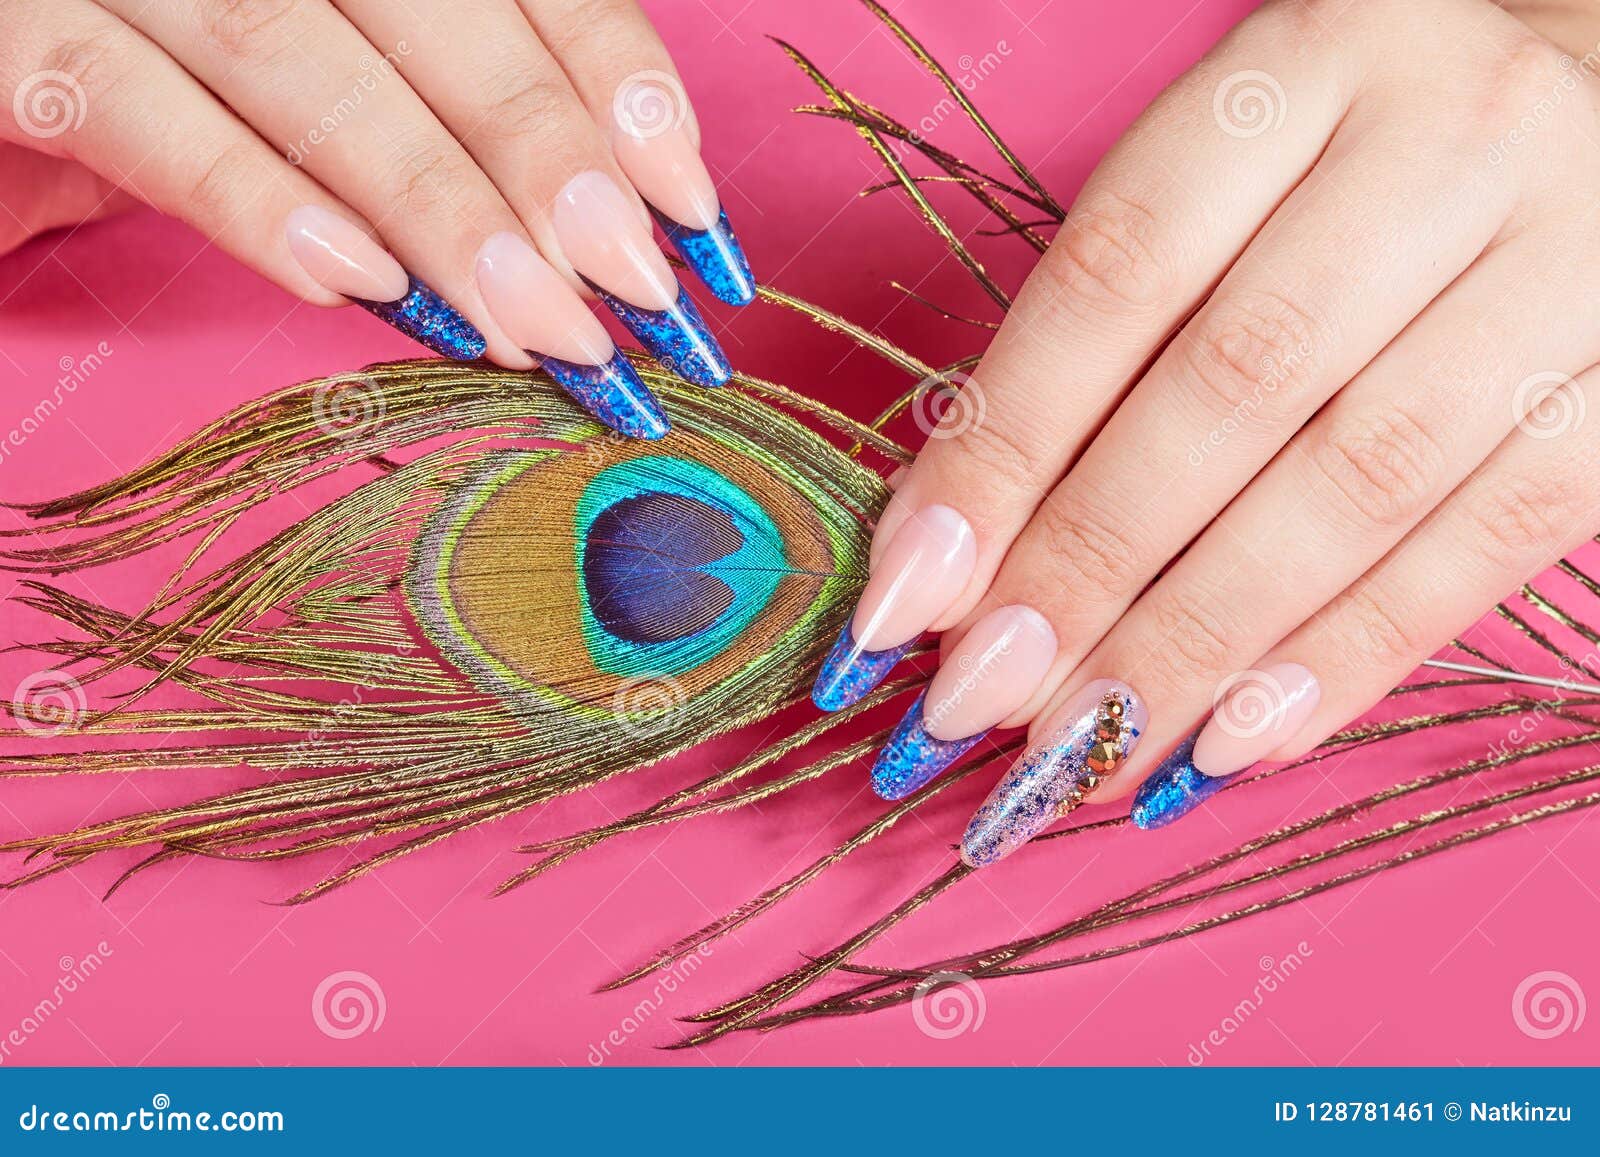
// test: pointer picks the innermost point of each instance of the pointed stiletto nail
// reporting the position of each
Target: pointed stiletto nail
(611, 248)
(715, 255)
(1086, 741)
(676, 337)
(1257, 713)
(912, 757)
(542, 314)
(850, 671)
(1174, 789)
(995, 669)
(340, 256)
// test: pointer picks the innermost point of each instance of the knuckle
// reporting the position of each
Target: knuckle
(1000, 453)
(1108, 255)
(1247, 340)
(427, 181)
(1194, 638)
(90, 59)
(1382, 466)
(215, 191)
(1375, 630)
(1090, 553)
(518, 107)
(236, 29)
(1524, 520)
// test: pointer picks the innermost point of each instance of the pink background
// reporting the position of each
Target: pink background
(1418, 966)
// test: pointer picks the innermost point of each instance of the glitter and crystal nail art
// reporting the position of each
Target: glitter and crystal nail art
(1092, 737)
(850, 671)
(676, 337)
(715, 255)
(425, 317)
(912, 757)
(1174, 789)
(614, 393)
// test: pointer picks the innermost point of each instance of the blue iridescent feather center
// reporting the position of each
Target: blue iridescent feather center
(675, 560)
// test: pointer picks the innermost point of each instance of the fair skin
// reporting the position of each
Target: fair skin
(1262, 405)
(1324, 466)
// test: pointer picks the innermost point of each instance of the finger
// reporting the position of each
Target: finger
(1379, 457)
(1345, 264)
(286, 67)
(1139, 250)
(1377, 460)
(523, 124)
(626, 78)
(93, 89)
(1533, 501)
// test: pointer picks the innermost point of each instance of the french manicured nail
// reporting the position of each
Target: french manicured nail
(1085, 741)
(922, 572)
(1256, 713)
(1174, 789)
(912, 756)
(715, 255)
(613, 252)
(652, 140)
(850, 671)
(995, 670)
(540, 312)
(340, 256)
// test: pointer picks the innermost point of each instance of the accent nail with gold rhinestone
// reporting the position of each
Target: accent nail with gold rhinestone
(1085, 742)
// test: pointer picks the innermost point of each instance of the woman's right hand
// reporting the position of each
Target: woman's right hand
(468, 172)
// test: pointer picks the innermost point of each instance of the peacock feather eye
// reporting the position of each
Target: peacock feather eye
(563, 580)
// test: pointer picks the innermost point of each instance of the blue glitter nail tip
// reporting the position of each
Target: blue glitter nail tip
(612, 392)
(425, 317)
(676, 337)
(715, 255)
(912, 757)
(849, 672)
(1174, 789)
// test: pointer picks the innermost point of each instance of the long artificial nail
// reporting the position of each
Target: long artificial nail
(1086, 741)
(925, 569)
(995, 669)
(676, 337)
(340, 256)
(912, 756)
(850, 671)
(653, 142)
(540, 312)
(1174, 789)
(613, 252)
(1257, 712)
(715, 255)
